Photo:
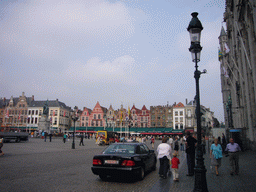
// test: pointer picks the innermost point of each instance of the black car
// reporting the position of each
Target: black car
(120, 159)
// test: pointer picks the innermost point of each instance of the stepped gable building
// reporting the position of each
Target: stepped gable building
(97, 116)
(84, 118)
(161, 116)
(15, 113)
(111, 117)
(121, 117)
(238, 70)
(179, 116)
(144, 117)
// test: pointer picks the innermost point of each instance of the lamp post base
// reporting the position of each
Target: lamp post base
(73, 145)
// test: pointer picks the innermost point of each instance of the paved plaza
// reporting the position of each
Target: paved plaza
(53, 166)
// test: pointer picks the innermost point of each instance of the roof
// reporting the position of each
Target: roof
(222, 32)
(179, 105)
(51, 103)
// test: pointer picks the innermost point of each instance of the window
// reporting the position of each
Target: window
(100, 123)
(33, 112)
(98, 116)
(141, 125)
(135, 117)
(176, 126)
(110, 112)
(86, 124)
(146, 119)
(170, 110)
(15, 112)
(28, 120)
(189, 112)
(36, 112)
(82, 118)
(144, 112)
(181, 119)
(189, 123)
(181, 113)
(181, 126)
(87, 118)
(176, 113)
(176, 119)
(82, 124)
(94, 116)
(36, 120)
(55, 121)
(97, 124)
(29, 112)
(141, 118)
(25, 112)
(22, 112)
(84, 113)
(153, 117)
(51, 112)
(32, 120)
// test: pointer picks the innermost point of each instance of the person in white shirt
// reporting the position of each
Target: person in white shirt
(164, 150)
(170, 142)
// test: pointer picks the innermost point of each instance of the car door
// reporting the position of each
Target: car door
(151, 160)
(145, 156)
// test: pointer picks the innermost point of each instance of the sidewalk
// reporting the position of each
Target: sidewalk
(245, 181)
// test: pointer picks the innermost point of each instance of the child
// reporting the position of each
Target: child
(175, 167)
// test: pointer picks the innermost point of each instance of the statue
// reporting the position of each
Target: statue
(46, 108)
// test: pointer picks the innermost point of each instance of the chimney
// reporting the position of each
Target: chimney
(33, 98)
(4, 99)
(186, 101)
(57, 99)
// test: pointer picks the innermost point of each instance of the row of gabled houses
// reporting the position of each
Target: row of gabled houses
(25, 113)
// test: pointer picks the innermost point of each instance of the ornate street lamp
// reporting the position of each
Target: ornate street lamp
(74, 118)
(195, 27)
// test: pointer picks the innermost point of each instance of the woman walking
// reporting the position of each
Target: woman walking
(216, 155)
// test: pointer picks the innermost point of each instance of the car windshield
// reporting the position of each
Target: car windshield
(120, 149)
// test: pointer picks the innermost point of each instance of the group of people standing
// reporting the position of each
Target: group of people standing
(165, 150)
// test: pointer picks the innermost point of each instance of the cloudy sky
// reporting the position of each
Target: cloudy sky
(112, 51)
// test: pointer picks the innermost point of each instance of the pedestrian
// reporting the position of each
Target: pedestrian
(64, 137)
(233, 149)
(175, 167)
(190, 150)
(153, 142)
(182, 144)
(216, 155)
(1, 145)
(170, 142)
(50, 136)
(164, 150)
(176, 145)
(81, 139)
(45, 136)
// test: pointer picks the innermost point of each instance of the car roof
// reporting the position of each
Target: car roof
(128, 143)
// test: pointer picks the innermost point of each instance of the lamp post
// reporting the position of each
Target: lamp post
(74, 118)
(195, 27)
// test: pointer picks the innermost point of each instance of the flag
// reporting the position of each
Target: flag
(220, 55)
(7, 113)
(121, 117)
(225, 72)
(64, 114)
(53, 113)
(226, 48)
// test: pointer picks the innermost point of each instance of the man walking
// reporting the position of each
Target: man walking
(190, 150)
(233, 149)
(81, 139)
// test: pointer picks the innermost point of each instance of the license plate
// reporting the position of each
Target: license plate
(111, 162)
